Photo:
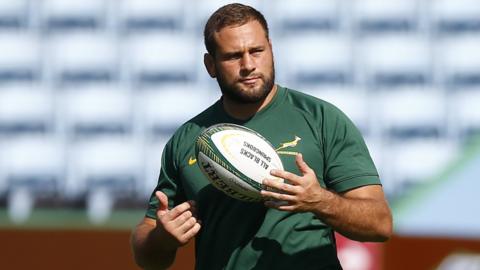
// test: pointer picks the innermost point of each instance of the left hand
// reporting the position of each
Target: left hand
(298, 193)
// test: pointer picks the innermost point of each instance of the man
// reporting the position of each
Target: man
(332, 181)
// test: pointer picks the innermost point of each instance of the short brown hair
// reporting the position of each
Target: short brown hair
(230, 15)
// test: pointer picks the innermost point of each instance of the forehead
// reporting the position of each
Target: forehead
(232, 38)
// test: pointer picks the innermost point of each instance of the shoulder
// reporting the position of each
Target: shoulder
(186, 134)
(312, 106)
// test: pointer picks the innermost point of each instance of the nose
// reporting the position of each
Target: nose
(247, 64)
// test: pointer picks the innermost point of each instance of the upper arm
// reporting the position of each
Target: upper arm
(373, 192)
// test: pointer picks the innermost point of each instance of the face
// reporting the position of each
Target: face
(243, 63)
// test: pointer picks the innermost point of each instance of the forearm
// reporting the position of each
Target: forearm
(360, 219)
(148, 250)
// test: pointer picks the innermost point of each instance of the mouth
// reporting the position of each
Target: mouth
(250, 80)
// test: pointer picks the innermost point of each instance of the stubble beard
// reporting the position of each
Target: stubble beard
(250, 96)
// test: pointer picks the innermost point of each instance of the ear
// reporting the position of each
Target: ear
(209, 65)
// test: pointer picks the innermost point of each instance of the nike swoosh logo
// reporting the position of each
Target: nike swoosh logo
(192, 161)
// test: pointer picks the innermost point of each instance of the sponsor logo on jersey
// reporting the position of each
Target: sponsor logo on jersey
(192, 161)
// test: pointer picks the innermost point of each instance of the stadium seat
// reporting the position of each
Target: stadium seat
(139, 16)
(96, 111)
(394, 61)
(113, 163)
(452, 17)
(14, 15)
(25, 110)
(153, 158)
(200, 10)
(312, 60)
(373, 17)
(20, 60)
(164, 110)
(410, 113)
(293, 16)
(415, 161)
(35, 162)
(464, 113)
(59, 16)
(458, 62)
(157, 59)
(81, 58)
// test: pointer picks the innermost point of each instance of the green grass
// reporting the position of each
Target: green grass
(72, 219)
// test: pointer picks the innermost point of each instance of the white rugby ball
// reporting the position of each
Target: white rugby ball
(236, 159)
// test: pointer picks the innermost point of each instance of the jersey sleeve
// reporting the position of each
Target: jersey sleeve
(168, 182)
(348, 164)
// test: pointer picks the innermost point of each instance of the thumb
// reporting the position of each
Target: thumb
(302, 165)
(162, 203)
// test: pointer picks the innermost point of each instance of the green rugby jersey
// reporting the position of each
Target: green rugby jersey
(242, 235)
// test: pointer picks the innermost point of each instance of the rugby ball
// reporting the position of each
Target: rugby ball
(236, 159)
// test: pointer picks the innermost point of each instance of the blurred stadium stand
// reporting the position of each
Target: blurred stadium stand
(104, 83)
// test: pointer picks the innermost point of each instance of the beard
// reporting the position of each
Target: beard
(234, 92)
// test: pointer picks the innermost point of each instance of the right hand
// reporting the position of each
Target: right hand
(177, 225)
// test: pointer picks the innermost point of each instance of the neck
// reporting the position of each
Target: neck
(243, 111)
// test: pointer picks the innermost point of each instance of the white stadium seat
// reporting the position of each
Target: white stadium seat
(394, 60)
(14, 14)
(158, 15)
(114, 163)
(458, 62)
(294, 16)
(450, 17)
(309, 60)
(408, 113)
(26, 109)
(376, 16)
(34, 161)
(416, 161)
(65, 16)
(464, 112)
(83, 58)
(165, 109)
(96, 111)
(153, 159)
(20, 60)
(161, 58)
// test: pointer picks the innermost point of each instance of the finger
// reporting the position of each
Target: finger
(191, 233)
(276, 185)
(187, 224)
(181, 219)
(302, 165)
(291, 177)
(180, 209)
(277, 196)
(275, 204)
(162, 203)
